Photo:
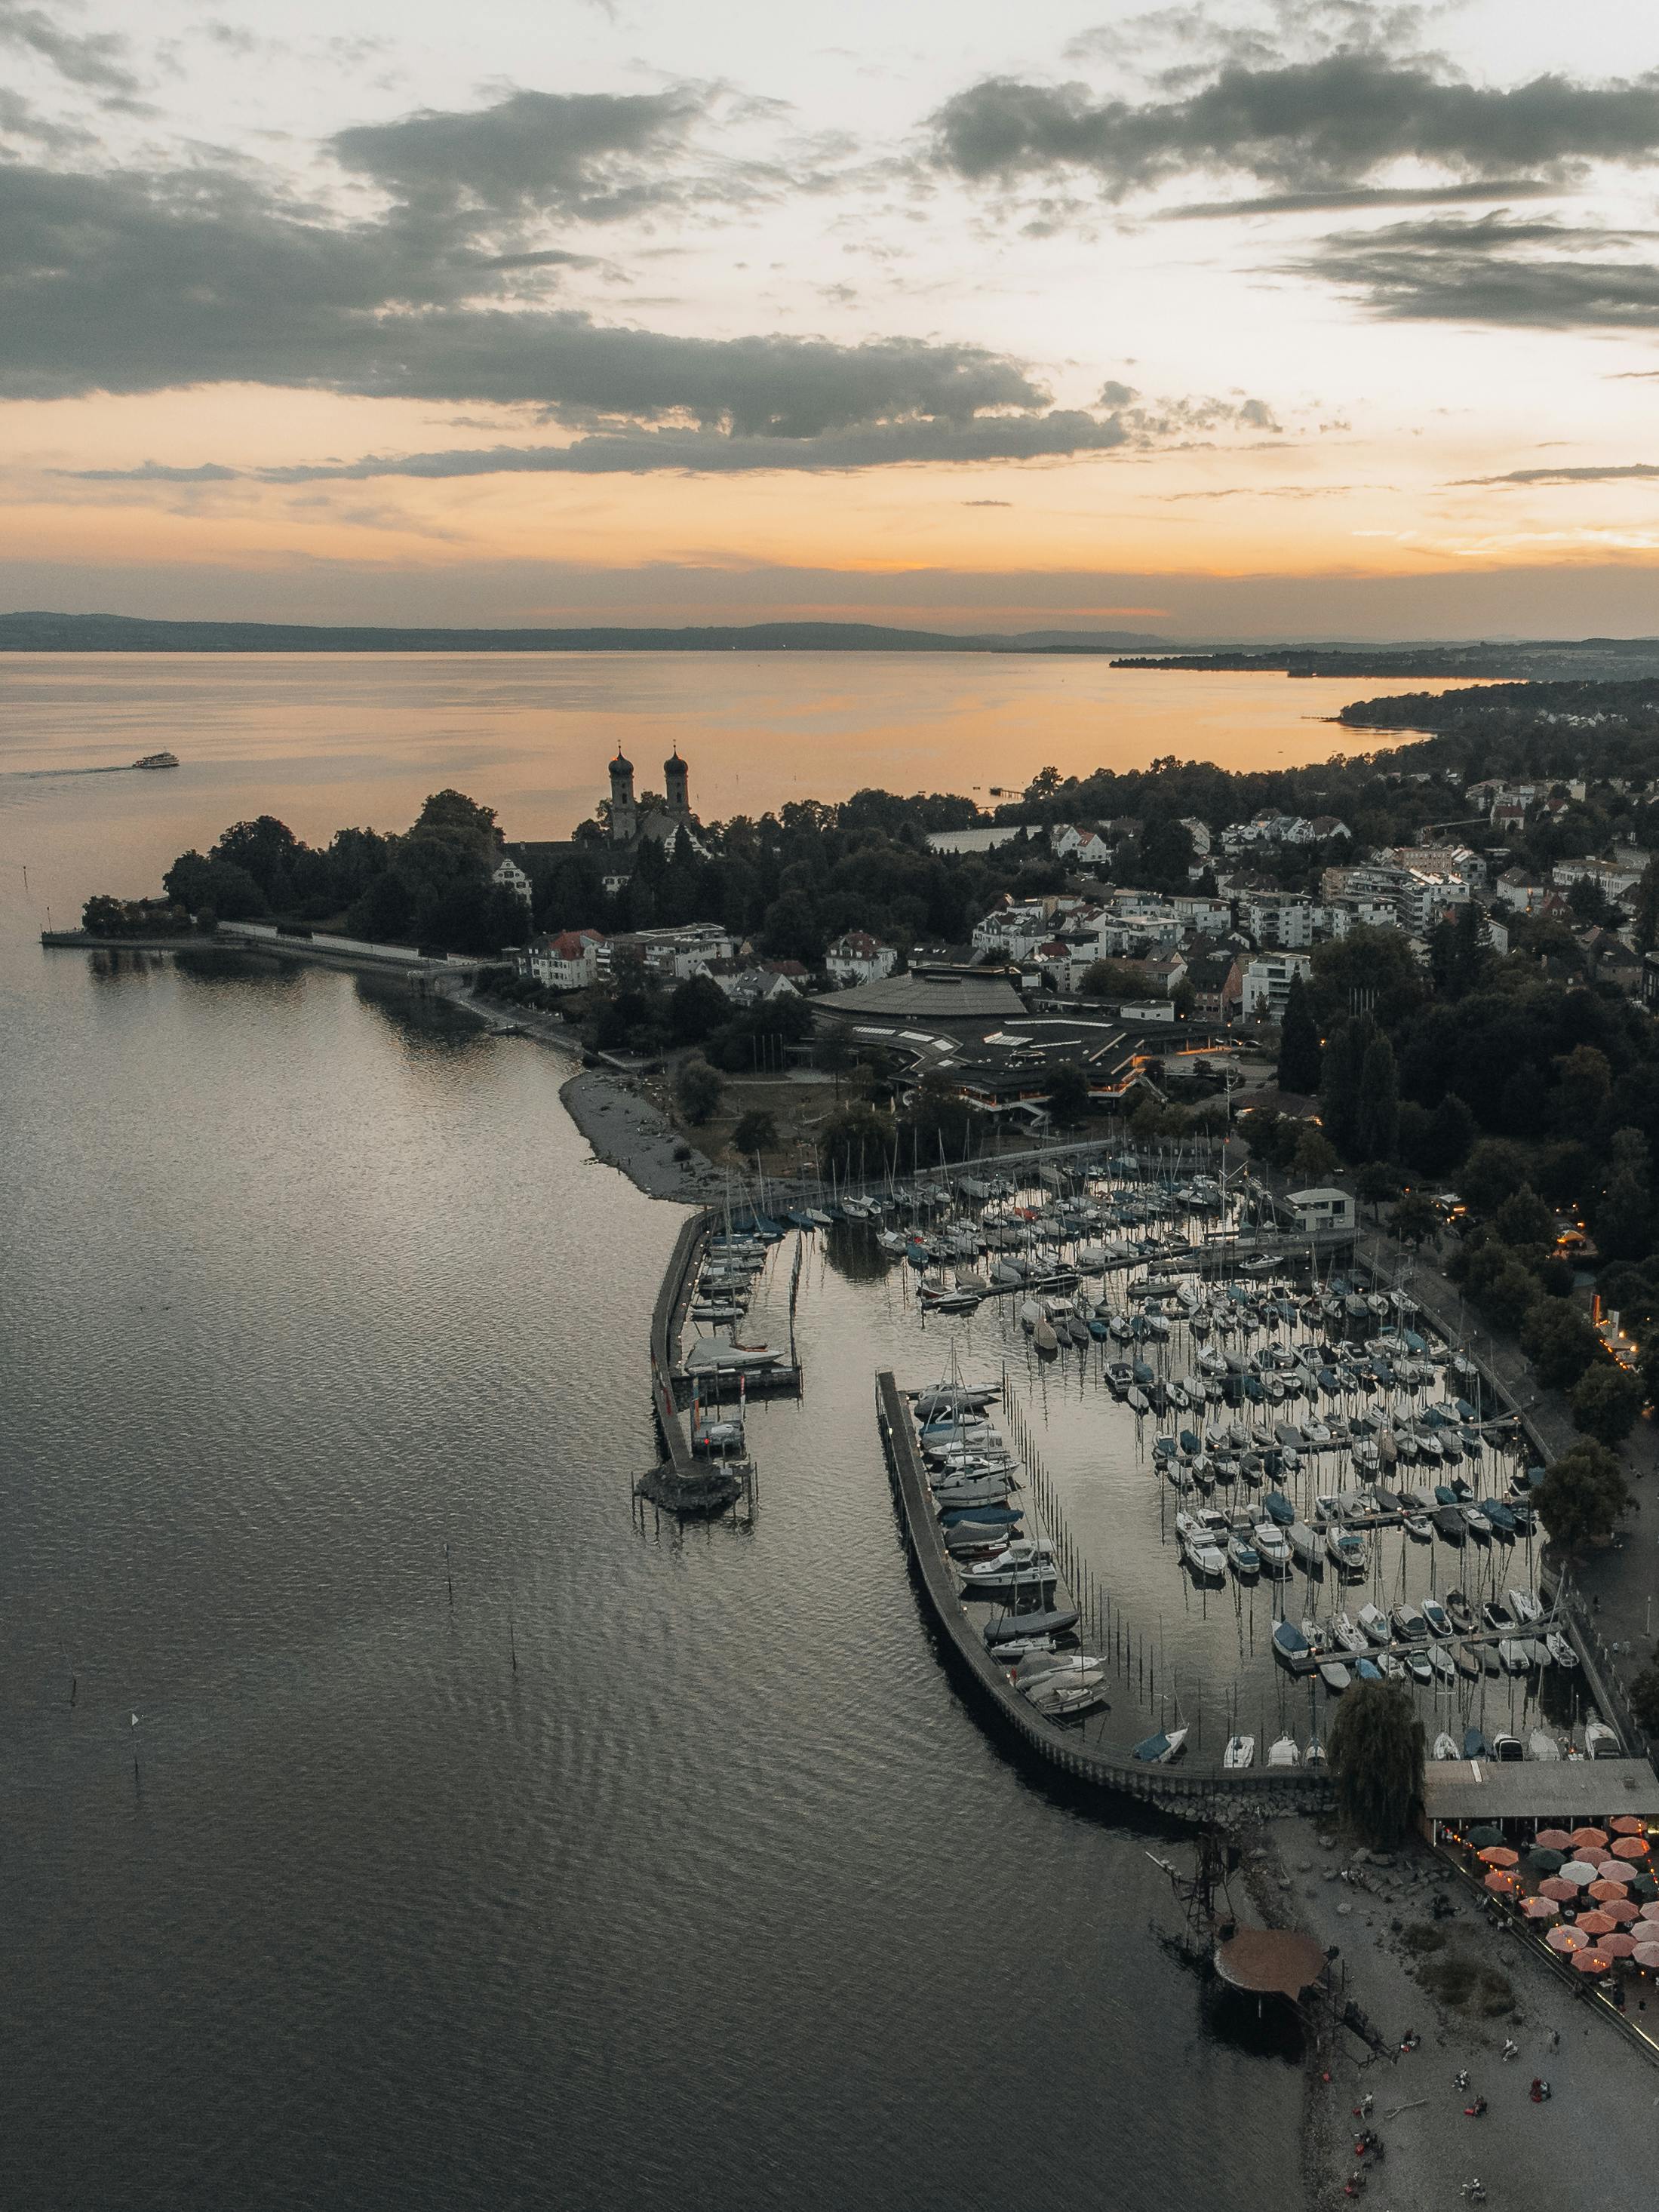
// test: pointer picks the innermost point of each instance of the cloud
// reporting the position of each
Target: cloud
(1622, 472)
(1297, 126)
(128, 282)
(1537, 275)
(1364, 196)
(1052, 434)
(91, 59)
(591, 157)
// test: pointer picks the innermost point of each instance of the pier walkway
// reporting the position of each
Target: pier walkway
(1193, 1791)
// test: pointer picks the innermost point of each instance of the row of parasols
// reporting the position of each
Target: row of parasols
(1595, 1887)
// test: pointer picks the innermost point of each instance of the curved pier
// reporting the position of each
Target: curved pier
(1192, 1791)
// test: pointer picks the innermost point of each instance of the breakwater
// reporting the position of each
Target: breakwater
(1194, 1791)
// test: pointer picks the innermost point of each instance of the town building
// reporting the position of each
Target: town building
(1321, 1208)
(512, 877)
(858, 958)
(569, 962)
(1265, 987)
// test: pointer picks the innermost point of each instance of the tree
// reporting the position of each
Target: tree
(1375, 1184)
(1376, 1756)
(1341, 1081)
(699, 1089)
(1645, 1698)
(1376, 1119)
(267, 850)
(1508, 1293)
(856, 1143)
(1492, 1171)
(1068, 1092)
(1559, 1342)
(1298, 1042)
(1452, 1130)
(695, 1008)
(1112, 979)
(1415, 1220)
(452, 810)
(1523, 1218)
(205, 885)
(834, 1051)
(1582, 1497)
(756, 1131)
(1605, 1401)
(1315, 1160)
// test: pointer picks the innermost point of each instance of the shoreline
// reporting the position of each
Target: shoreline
(626, 1130)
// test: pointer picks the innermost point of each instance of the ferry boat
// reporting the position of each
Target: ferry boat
(157, 760)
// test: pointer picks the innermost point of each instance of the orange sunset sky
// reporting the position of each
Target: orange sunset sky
(1236, 320)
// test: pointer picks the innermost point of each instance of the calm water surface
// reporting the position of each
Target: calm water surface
(721, 1898)
(325, 740)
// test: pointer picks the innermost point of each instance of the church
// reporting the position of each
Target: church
(634, 827)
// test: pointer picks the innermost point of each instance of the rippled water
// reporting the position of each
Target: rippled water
(722, 1898)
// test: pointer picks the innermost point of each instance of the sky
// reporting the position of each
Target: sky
(1259, 319)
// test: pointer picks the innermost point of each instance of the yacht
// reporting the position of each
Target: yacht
(157, 760)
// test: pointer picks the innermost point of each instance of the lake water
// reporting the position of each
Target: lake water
(312, 1300)
(327, 740)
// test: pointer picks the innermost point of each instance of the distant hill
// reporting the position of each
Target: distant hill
(57, 633)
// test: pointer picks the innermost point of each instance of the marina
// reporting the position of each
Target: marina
(1248, 1475)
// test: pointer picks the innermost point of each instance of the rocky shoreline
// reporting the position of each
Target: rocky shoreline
(627, 1130)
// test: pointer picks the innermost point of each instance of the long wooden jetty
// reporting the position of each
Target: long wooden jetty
(1195, 1790)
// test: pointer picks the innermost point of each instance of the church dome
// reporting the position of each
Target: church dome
(626, 766)
(674, 762)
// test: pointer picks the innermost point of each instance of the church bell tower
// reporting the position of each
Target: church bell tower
(624, 815)
(674, 772)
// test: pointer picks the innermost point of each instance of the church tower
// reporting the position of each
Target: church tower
(624, 818)
(674, 771)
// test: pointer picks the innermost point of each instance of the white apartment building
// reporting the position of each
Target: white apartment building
(1268, 979)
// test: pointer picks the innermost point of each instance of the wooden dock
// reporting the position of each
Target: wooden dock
(1193, 1790)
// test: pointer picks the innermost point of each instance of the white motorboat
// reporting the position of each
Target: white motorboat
(1600, 1741)
(1524, 1608)
(1559, 1649)
(1283, 1753)
(1447, 1747)
(1024, 1565)
(1240, 1752)
(1540, 1744)
(1334, 1675)
(1374, 1622)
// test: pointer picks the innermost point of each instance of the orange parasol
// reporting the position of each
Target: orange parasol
(1597, 1837)
(1567, 1938)
(1565, 1892)
(1596, 1923)
(1621, 1910)
(1630, 1847)
(1502, 1884)
(1616, 1946)
(1646, 1955)
(1590, 1962)
(1628, 1824)
(1499, 1855)
(1606, 1889)
(1554, 1840)
(1541, 1908)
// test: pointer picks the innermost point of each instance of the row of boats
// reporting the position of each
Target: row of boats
(974, 1477)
